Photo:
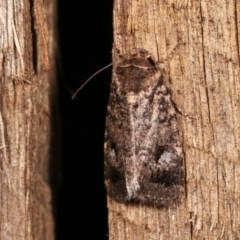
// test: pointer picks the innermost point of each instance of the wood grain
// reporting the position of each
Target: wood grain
(197, 42)
(26, 105)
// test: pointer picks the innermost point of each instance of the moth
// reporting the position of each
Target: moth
(143, 155)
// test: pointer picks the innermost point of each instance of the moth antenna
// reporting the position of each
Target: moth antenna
(87, 81)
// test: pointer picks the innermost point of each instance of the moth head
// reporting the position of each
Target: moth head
(139, 58)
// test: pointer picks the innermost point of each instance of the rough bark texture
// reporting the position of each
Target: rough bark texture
(27, 88)
(199, 43)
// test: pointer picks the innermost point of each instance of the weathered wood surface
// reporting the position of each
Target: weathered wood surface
(198, 41)
(27, 90)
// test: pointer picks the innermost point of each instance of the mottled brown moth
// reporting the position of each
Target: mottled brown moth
(143, 155)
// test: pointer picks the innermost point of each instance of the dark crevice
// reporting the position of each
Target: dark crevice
(204, 62)
(84, 45)
(191, 224)
(237, 32)
(34, 37)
